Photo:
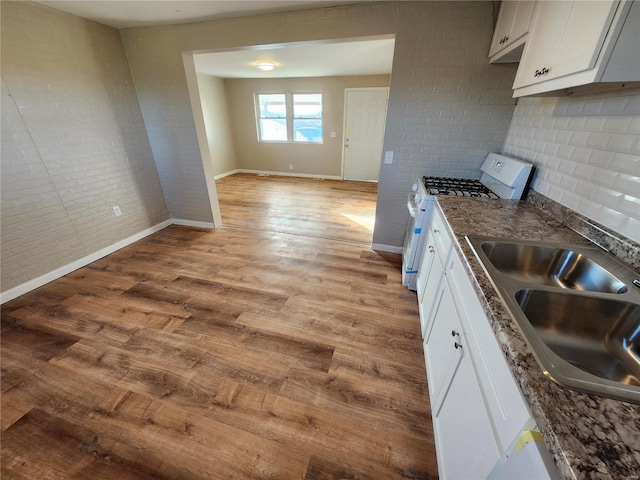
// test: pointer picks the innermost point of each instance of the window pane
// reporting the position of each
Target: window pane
(274, 130)
(307, 131)
(307, 105)
(272, 105)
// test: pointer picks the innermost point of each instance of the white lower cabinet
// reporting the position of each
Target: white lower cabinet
(428, 295)
(465, 445)
(431, 270)
(477, 408)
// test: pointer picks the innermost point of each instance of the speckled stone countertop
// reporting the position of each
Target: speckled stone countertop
(589, 437)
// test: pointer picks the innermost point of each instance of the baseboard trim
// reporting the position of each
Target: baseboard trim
(81, 262)
(193, 223)
(226, 174)
(386, 248)
(289, 174)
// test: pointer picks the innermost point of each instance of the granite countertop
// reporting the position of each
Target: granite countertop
(589, 436)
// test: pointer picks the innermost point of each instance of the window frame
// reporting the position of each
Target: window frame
(289, 115)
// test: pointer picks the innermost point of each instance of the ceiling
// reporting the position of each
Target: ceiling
(139, 13)
(318, 59)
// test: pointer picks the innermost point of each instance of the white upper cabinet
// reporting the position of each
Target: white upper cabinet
(573, 43)
(567, 38)
(511, 31)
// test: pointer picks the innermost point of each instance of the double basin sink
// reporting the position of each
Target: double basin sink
(578, 308)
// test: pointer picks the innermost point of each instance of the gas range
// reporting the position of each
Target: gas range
(501, 177)
(456, 187)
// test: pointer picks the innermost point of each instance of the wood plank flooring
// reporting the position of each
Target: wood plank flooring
(279, 346)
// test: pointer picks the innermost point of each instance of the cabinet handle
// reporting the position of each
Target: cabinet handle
(454, 333)
(504, 39)
(539, 73)
(457, 345)
(435, 230)
(431, 249)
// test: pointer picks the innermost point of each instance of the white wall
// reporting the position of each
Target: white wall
(587, 151)
(215, 112)
(447, 107)
(74, 143)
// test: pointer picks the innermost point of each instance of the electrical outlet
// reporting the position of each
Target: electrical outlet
(291, 166)
(116, 211)
(388, 157)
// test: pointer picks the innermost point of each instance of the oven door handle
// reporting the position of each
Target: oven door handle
(412, 209)
(411, 206)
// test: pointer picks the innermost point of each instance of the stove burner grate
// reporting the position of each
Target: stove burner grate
(457, 187)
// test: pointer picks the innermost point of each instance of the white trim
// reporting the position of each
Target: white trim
(225, 174)
(386, 248)
(288, 174)
(192, 223)
(81, 262)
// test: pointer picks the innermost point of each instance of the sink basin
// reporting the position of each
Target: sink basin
(577, 308)
(553, 266)
(599, 336)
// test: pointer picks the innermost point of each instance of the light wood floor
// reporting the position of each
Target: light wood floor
(279, 346)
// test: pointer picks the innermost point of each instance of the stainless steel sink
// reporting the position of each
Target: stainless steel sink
(597, 335)
(553, 266)
(577, 308)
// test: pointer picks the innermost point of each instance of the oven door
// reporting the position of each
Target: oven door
(414, 239)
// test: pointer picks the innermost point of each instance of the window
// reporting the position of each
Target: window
(289, 117)
(272, 113)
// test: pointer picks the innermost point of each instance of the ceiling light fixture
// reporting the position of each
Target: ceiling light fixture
(266, 66)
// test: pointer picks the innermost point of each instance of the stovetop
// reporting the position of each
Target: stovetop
(456, 187)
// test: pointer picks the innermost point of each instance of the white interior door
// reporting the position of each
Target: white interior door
(365, 117)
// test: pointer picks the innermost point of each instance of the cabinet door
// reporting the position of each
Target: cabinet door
(465, 444)
(566, 37)
(503, 398)
(521, 21)
(431, 295)
(441, 354)
(503, 26)
(513, 23)
(424, 270)
(583, 36)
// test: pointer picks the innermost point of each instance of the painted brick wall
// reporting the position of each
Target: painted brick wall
(74, 143)
(587, 151)
(447, 107)
(451, 107)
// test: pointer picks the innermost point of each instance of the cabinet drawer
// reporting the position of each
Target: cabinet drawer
(440, 234)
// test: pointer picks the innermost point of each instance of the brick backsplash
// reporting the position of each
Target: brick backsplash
(587, 153)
